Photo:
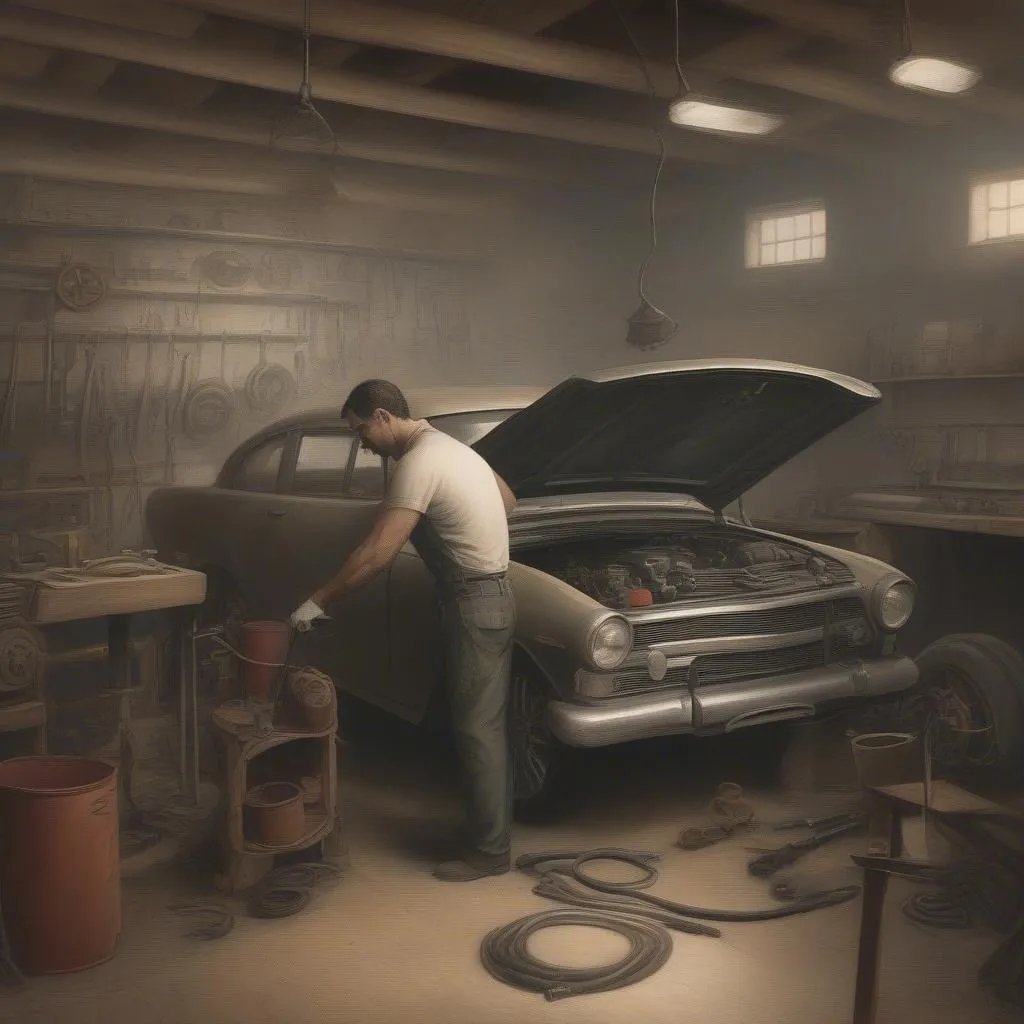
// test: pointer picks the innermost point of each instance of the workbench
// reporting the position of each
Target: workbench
(116, 588)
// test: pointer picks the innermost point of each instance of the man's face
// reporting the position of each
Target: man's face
(376, 433)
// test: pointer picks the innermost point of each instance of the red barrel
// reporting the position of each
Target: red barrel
(60, 867)
(266, 643)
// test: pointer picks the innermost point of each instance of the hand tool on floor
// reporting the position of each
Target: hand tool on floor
(729, 812)
(768, 863)
(815, 824)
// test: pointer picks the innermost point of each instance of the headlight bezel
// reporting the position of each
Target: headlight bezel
(592, 641)
(879, 593)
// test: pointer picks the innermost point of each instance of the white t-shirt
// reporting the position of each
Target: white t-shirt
(464, 529)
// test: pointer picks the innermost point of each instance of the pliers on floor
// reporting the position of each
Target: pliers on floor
(918, 871)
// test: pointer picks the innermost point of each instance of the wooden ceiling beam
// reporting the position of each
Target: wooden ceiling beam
(229, 64)
(858, 27)
(877, 29)
(524, 16)
(248, 131)
(382, 25)
(118, 158)
(167, 19)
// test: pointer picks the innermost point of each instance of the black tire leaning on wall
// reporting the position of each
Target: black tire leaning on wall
(993, 673)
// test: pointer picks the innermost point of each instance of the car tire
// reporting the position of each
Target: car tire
(540, 763)
(970, 697)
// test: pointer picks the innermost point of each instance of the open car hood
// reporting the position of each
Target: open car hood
(708, 428)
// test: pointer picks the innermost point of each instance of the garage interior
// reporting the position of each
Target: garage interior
(219, 213)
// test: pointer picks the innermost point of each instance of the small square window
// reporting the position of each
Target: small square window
(786, 236)
(997, 210)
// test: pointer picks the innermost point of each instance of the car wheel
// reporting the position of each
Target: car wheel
(970, 699)
(538, 759)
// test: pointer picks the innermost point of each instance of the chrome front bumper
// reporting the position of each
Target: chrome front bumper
(725, 707)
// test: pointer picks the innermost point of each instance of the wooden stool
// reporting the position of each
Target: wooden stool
(248, 860)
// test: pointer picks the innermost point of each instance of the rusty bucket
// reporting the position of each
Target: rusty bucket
(60, 877)
(888, 758)
(278, 813)
(264, 646)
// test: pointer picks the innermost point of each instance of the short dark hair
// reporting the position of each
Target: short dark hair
(371, 395)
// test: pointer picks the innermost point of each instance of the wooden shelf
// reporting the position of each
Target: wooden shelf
(29, 714)
(952, 378)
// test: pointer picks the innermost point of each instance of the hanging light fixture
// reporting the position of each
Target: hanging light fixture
(930, 74)
(648, 327)
(304, 127)
(709, 115)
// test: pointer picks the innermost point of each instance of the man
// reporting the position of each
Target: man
(454, 508)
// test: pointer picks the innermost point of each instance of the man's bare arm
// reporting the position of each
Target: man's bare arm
(506, 494)
(392, 529)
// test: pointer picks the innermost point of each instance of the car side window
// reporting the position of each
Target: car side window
(321, 465)
(258, 472)
(368, 479)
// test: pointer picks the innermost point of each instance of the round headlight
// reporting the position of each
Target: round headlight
(895, 604)
(610, 643)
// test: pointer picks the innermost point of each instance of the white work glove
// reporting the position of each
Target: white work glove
(303, 616)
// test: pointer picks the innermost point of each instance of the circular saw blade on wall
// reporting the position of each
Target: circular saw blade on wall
(80, 287)
(225, 268)
(269, 388)
(208, 409)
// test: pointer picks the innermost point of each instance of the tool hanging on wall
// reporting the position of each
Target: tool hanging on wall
(226, 269)
(269, 386)
(207, 409)
(80, 287)
(22, 661)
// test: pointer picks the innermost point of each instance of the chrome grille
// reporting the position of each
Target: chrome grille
(767, 578)
(638, 681)
(773, 620)
(720, 668)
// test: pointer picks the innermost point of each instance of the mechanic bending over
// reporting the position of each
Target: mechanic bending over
(445, 498)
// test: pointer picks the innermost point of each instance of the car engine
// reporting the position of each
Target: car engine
(640, 572)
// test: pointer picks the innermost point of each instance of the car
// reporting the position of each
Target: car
(643, 610)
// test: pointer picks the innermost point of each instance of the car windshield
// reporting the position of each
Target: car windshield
(469, 427)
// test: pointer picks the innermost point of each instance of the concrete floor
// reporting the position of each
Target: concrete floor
(389, 943)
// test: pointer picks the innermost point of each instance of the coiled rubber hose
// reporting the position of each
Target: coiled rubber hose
(939, 910)
(800, 905)
(287, 890)
(506, 956)
(571, 893)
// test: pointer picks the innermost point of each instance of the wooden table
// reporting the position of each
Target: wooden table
(115, 589)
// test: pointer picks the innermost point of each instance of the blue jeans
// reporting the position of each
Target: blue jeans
(479, 624)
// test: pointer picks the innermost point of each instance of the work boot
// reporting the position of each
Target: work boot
(473, 865)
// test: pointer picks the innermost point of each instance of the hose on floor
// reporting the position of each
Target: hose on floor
(287, 890)
(802, 904)
(214, 921)
(506, 956)
(566, 890)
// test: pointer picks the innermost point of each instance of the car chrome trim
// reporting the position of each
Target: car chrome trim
(750, 642)
(725, 706)
(716, 606)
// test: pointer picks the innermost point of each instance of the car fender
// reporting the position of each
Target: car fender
(554, 620)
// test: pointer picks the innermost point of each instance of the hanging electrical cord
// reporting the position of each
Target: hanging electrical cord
(305, 127)
(649, 326)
